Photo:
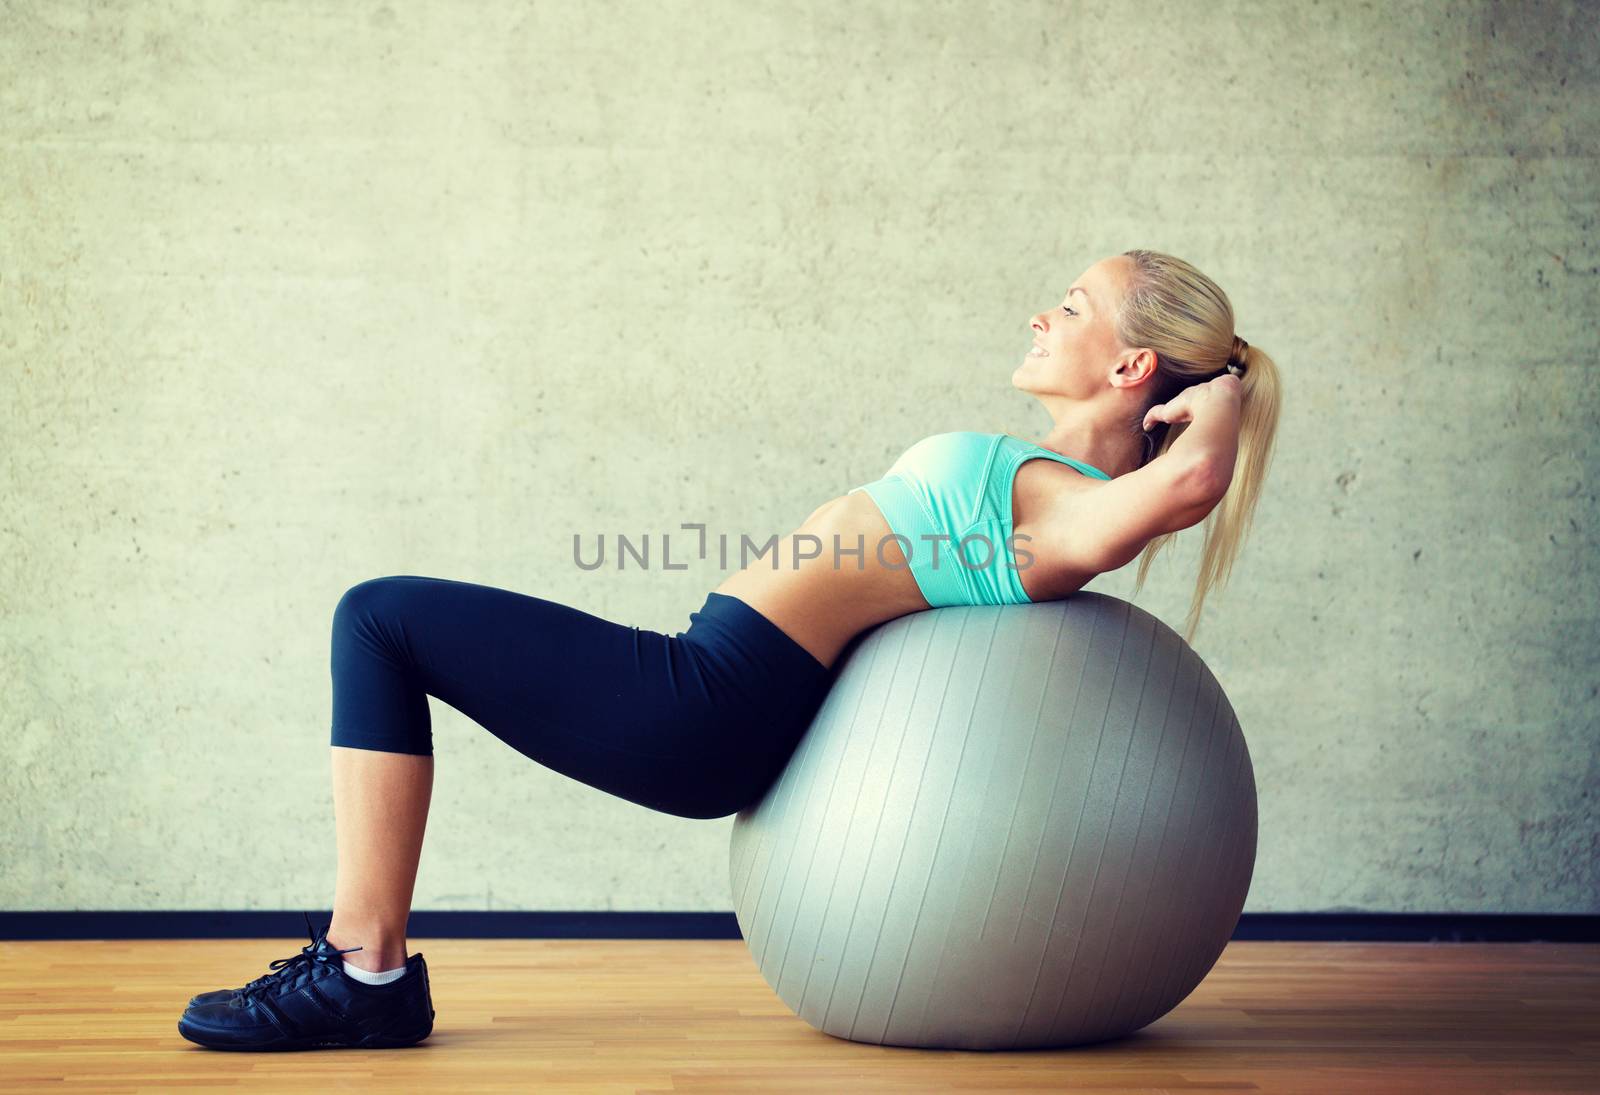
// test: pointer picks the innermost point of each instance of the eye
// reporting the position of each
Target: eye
(1064, 308)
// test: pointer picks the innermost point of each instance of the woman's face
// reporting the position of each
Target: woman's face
(1075, 343)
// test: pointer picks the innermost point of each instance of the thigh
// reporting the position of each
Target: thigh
(622, 708)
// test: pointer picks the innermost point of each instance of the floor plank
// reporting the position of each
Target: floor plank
(658, 1016)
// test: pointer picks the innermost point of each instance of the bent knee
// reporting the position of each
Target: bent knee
(372, 595)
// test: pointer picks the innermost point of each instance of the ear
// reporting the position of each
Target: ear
(1137, 369)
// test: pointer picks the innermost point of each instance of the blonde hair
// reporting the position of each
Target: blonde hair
(1175, 310)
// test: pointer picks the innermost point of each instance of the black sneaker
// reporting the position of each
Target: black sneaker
(309, 1002)
(222, 996)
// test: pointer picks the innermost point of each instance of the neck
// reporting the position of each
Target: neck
(1094, 439)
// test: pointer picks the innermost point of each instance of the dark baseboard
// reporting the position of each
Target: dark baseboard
(1275, 927)
(1360, 927)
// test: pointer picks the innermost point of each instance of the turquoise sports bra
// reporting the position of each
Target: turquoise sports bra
(949, 496)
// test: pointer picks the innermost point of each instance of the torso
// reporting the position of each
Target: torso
(822, 606)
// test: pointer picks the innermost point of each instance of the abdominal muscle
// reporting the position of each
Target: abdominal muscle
(823, 602)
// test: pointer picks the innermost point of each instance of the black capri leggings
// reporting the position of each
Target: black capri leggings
(697, 724)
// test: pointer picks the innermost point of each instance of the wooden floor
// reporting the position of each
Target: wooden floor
(695, 1016)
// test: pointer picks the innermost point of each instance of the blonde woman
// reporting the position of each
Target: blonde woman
(1161, 416)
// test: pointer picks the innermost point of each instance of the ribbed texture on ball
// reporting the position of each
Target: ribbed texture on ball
(1014, 826)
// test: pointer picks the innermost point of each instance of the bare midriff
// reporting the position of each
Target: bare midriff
(823, 602)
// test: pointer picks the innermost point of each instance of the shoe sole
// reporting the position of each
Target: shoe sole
(372, 1041)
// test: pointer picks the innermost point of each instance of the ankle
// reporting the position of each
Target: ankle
(379, 962)
(377, 954)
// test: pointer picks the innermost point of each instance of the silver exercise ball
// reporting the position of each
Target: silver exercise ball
(1007, 827)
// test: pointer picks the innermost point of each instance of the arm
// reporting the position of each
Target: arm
(1102, 529)
(1210, 442)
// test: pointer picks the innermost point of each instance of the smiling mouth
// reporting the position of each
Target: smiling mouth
(1038, 351)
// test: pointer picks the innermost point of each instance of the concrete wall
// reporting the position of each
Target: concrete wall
(298, 294)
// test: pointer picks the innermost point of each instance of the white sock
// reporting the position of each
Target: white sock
(370, 978)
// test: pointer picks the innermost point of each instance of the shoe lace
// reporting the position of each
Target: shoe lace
(291, 972)
(266, 978)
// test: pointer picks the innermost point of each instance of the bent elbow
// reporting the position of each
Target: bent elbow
(1210, 480)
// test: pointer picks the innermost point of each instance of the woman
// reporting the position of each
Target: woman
(1162, 416)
